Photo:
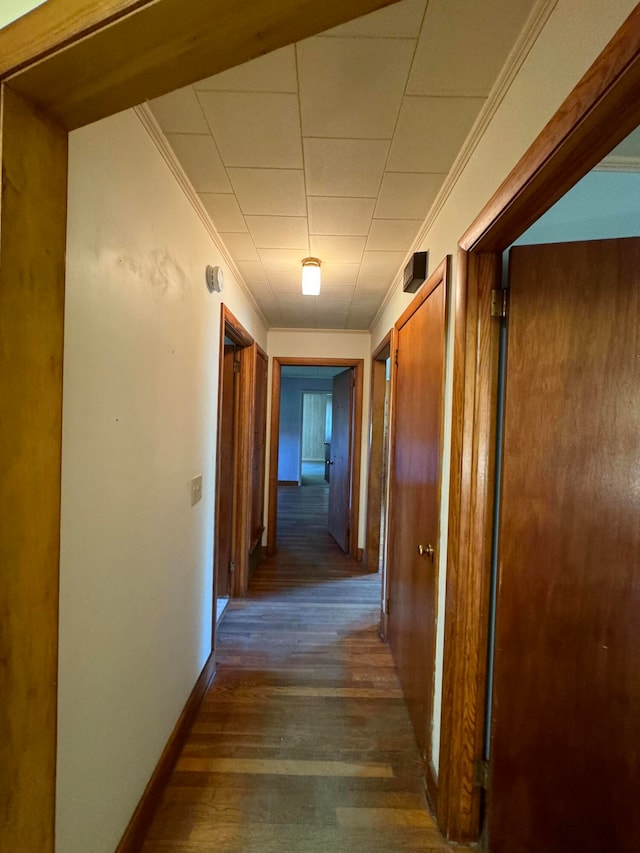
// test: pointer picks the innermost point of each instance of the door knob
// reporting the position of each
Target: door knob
(428, 551)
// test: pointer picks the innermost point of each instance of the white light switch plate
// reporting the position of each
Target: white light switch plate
(196, 489)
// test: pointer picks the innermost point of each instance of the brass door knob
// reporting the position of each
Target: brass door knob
(428, 551)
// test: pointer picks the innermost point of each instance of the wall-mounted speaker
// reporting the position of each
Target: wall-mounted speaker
(415, 272)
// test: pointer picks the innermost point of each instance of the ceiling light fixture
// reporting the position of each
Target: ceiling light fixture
(310, 276)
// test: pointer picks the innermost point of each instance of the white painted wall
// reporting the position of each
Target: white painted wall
(573, 36)
(601, 206)
(11, 10)
(139, 421)
(307, 343)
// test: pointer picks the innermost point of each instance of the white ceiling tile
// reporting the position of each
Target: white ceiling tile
(380, 264)
(224, 211)
(201, 162)
(431, 132)
(464, 45)
(290, 281)
(337, 79)
(272, 192)
(255, 129)
(368, 283)
(240, 247)
(407, 195)
(282, 260)
(252, 271)
(392, 234)
(287, 232)
(262, 291)
(337, 291)
(345, 167)
(274, 72)
(402, 20)
(340, 273)
(334, 305)
(179, 112)
(356, 323)
(289, 299)
(346, 250)
(340, 215)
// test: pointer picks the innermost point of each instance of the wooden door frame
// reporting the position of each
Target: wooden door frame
(232, 328)
(371, 554)
(440, 277)
(602, 109)
(277, 362)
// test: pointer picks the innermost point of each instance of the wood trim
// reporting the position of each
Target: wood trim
(33, 214)
(154, 49)
(288, 483)
(393, 349)
(431, 787)
(135, 833)
(596, 116)
(54, 25)
(602, 109)
(376, 461)
(471, 515)
(276, 366)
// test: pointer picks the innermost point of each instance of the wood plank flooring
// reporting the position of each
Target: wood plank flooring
(303, 744)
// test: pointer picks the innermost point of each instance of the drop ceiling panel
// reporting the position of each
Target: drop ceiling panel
(407, 195)
(385, 104)
(345, 167)
(349, 216)
(271, 192)
(464, 45)
(224, 211)
(380, 264)
(431, 132)
(333, 273)
(180, 112)
(288, 232)
(402, 20)
(392, 234)
(347, 250)
(201, 162)
(255, 129)
(252, 271)
(337, 77)
(274, 72)
(282, 259)
(240, 246)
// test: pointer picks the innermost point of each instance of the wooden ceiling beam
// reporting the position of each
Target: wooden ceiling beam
(138, 51)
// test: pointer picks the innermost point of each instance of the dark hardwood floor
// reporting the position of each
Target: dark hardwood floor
(303, 744)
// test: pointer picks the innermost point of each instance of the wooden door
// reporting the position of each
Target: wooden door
(259, 448)
(565, 751)
(226, 437)
(340, 480)
(414, 512)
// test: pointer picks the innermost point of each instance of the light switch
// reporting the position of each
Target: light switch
(196, 489)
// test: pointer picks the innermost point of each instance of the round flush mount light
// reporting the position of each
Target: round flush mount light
(311, 276)
(214, 278)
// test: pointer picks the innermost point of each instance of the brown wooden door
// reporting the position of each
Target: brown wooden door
(565, 756)
(414, 520)
(226, 438)
(340, 480)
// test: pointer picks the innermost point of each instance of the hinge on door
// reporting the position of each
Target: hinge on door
(396, 358)
(232, 567)
(236, 367)
(499, 303)
(387, 606)
(481, 773)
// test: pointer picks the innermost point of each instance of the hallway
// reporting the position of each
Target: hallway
(303, 744)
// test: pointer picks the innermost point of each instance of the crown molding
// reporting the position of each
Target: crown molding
(615, 163)
(148, 121)
(536, 21)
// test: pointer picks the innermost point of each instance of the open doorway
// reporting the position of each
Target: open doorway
(240, 461)
(316, 413)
